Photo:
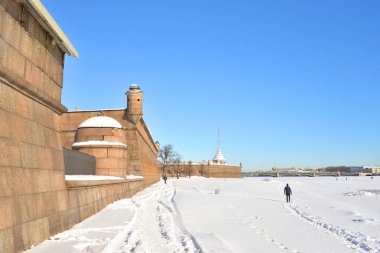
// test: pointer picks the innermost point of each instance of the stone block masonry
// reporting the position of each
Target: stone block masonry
(207, 170)
(139, 158)
(32, 181)
(35, 200)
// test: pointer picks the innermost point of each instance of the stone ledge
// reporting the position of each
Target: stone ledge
(73, 184)
(19, 84)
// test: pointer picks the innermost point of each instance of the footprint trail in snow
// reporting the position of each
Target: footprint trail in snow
(156, 226)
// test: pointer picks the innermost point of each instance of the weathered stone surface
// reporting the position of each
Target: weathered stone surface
(40, 205)
(36, 231)
(107, 163)
(5, 182)
(73, 199)
(3, 53)
(89, 138)
(72, 217)
(11, 30)
(44, 158)
(112, 138)
(57, 156)
(18, 128)
(5, 128)
(15, 62)
(10, 155)
(57, 180)
(44, 116)
(20, 238)
(7, 98)
(28, 156)
(55, 225)
(34, 76)
(102, 171)
(97, 152)
(3, 241)
(62, 200)
(35, 133)
(7, 218)
(2, 14)
(116, 152)
(27, 46)
(24, 106)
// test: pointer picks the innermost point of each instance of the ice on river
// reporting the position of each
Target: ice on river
(326, 214)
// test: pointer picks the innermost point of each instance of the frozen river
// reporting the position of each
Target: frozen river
(326, 214)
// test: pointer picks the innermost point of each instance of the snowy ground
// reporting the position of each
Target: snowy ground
(248, 215)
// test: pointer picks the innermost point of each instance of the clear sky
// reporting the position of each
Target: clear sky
(289, 82)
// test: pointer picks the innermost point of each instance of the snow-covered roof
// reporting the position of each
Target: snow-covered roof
(134, 87)
(98, 143)
(100, 121)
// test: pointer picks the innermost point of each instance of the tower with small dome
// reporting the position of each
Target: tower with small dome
(119, 139)
(134, 103)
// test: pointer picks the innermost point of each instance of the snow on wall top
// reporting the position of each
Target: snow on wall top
(100, 121)
(90, 177)
(98, 143)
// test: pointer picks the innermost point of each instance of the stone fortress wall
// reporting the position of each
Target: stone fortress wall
(35, 199)
(219, 171)
(206, 170)
(141, 155)
(33, 192)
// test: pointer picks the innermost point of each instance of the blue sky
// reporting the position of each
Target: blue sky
(289, 83)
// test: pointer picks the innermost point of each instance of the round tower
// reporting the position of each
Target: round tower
(134, 103)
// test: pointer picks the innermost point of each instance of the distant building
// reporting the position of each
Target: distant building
(374, 169)
(219, 158)
(357, 169)
(338, 169)
(217, 167)
(284, 170)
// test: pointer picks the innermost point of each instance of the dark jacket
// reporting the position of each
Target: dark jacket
(287, 190)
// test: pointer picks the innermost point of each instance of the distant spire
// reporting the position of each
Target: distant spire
(219, 158)
(218, 137)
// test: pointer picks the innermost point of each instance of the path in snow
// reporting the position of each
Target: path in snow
(354, 240)
(156, 226)
(149, 222)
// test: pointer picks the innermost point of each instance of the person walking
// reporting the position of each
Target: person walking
(287, 192)
(165, 178)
